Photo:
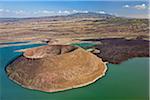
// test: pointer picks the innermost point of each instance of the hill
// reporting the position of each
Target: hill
(63, 17)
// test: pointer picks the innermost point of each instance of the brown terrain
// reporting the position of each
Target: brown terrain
(58, 66)
(44, 51)
(64, 67)
(80, 25)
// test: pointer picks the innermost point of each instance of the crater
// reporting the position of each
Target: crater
(50, 50)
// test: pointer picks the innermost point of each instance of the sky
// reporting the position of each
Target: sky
(134, 9)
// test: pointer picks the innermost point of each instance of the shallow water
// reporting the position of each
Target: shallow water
(127, 81)
(83, 45)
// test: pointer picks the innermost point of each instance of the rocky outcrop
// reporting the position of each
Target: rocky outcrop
(61, 68)
(117, 50)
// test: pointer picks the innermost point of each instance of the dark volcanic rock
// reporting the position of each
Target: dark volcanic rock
(116, 50)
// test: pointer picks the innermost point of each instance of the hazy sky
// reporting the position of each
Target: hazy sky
(138, 9)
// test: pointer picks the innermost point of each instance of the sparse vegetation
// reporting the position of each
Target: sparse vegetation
(75, 26)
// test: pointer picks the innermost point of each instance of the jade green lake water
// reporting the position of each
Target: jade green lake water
(83, 45)
(127, 81)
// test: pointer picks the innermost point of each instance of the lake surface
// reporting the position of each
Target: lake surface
(83, 45)
(127, 81)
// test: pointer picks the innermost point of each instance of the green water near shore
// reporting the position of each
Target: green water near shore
(126, 81)
(83, 45)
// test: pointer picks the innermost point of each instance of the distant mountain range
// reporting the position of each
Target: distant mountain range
(61, 17)
(90, 15)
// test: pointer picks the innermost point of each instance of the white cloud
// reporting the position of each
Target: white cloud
(43, 12)
(47, 12)
(1, 10)
(59, 11)
(85, 11)
(66, 12)
(4, 10)
(19, 12)
(75, 11)
(63, 12)
(79, 11)
(140, 7)
(126, 6)
(101, 12)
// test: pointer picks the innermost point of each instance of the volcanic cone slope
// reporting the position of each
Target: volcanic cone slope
(73, 68)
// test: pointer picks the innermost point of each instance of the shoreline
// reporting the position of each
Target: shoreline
(69, 88)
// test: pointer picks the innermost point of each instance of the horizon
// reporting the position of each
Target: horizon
(26, 9)
(65, 16)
